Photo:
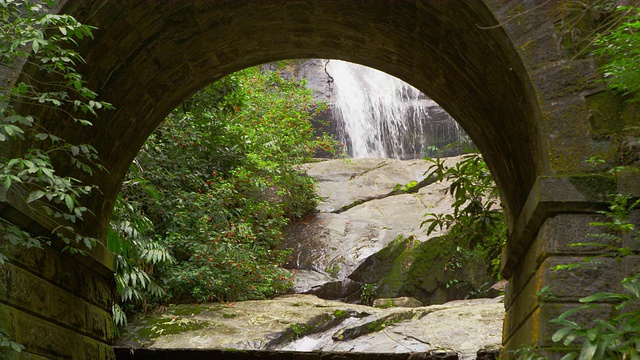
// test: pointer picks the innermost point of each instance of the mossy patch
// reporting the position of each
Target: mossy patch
(185, 310)
(594, 188)
(370, 327)
(340, 313)
(156, 327)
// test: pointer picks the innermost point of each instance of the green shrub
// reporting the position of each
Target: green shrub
(224, 168)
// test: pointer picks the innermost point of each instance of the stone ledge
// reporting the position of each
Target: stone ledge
(123, 353)
(14, 209)
(47, 339)
(22, 290)
(549, 196)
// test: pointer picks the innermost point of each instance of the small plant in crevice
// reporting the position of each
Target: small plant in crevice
(368, 293)
(333, 270)
(299, 329)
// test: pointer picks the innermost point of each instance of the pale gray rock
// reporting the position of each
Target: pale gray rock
(403, 301)
(307, 323)
(364, 208)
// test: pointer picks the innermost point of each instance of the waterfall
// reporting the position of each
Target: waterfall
(381, 116)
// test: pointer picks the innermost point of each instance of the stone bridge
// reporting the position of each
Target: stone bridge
(506, 70)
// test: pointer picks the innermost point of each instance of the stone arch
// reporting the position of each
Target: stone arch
(146, 58)
(497, 67)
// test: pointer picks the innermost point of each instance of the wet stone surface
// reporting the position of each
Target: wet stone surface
(305, 323)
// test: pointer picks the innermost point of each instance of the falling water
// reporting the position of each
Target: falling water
(379, 115)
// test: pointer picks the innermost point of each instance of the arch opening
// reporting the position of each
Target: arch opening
(147, 59)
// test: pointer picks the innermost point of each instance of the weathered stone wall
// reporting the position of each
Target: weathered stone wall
(499, 67)
(580, 119)
(56, 304)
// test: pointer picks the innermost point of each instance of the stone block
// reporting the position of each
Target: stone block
(562, 285)
(22, 289)
(598, 274)
(25, 290)
(632, 240)
(41, 337)
(521, 276)
(561, 234)
(631, 265)
(63, 271)
(521, 306)
(564, 78)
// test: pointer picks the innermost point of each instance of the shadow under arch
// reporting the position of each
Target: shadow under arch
(147, 57)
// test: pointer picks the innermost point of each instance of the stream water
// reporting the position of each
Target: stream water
(379, 115)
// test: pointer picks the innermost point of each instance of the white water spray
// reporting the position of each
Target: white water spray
(381, 116)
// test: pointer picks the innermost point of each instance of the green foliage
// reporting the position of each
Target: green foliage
(31, 37)
(619, 335)
(6, 344)
(477, 223)
(333, 270)
(131, 239)
(408, 188)
(223, 169)
(528, 352)
(299, 329)
(367, 294)
(28, 33)
(620, 50)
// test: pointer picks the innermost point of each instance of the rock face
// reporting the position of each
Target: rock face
(367, 231)
(364, 243)
(404, 301)
(307, 323)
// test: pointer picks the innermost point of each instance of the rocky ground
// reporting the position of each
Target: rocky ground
(307, 323)
(366, 232)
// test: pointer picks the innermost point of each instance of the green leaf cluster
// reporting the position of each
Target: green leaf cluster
(619, 50)
(616, 336)
(223, 179)
(477, 223)
(33, 38)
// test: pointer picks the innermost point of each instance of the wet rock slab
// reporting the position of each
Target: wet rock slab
(366, 205)
(309, 324)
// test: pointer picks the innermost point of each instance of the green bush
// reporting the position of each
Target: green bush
(477, 224)
(223, 166)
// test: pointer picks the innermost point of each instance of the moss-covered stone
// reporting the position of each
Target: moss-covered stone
(372, 326)
(165, 325)
(188, 310)
(423, 270)
(340, 313)
(594, 188)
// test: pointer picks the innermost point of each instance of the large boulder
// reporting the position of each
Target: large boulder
(427, 271)
(367, 232)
